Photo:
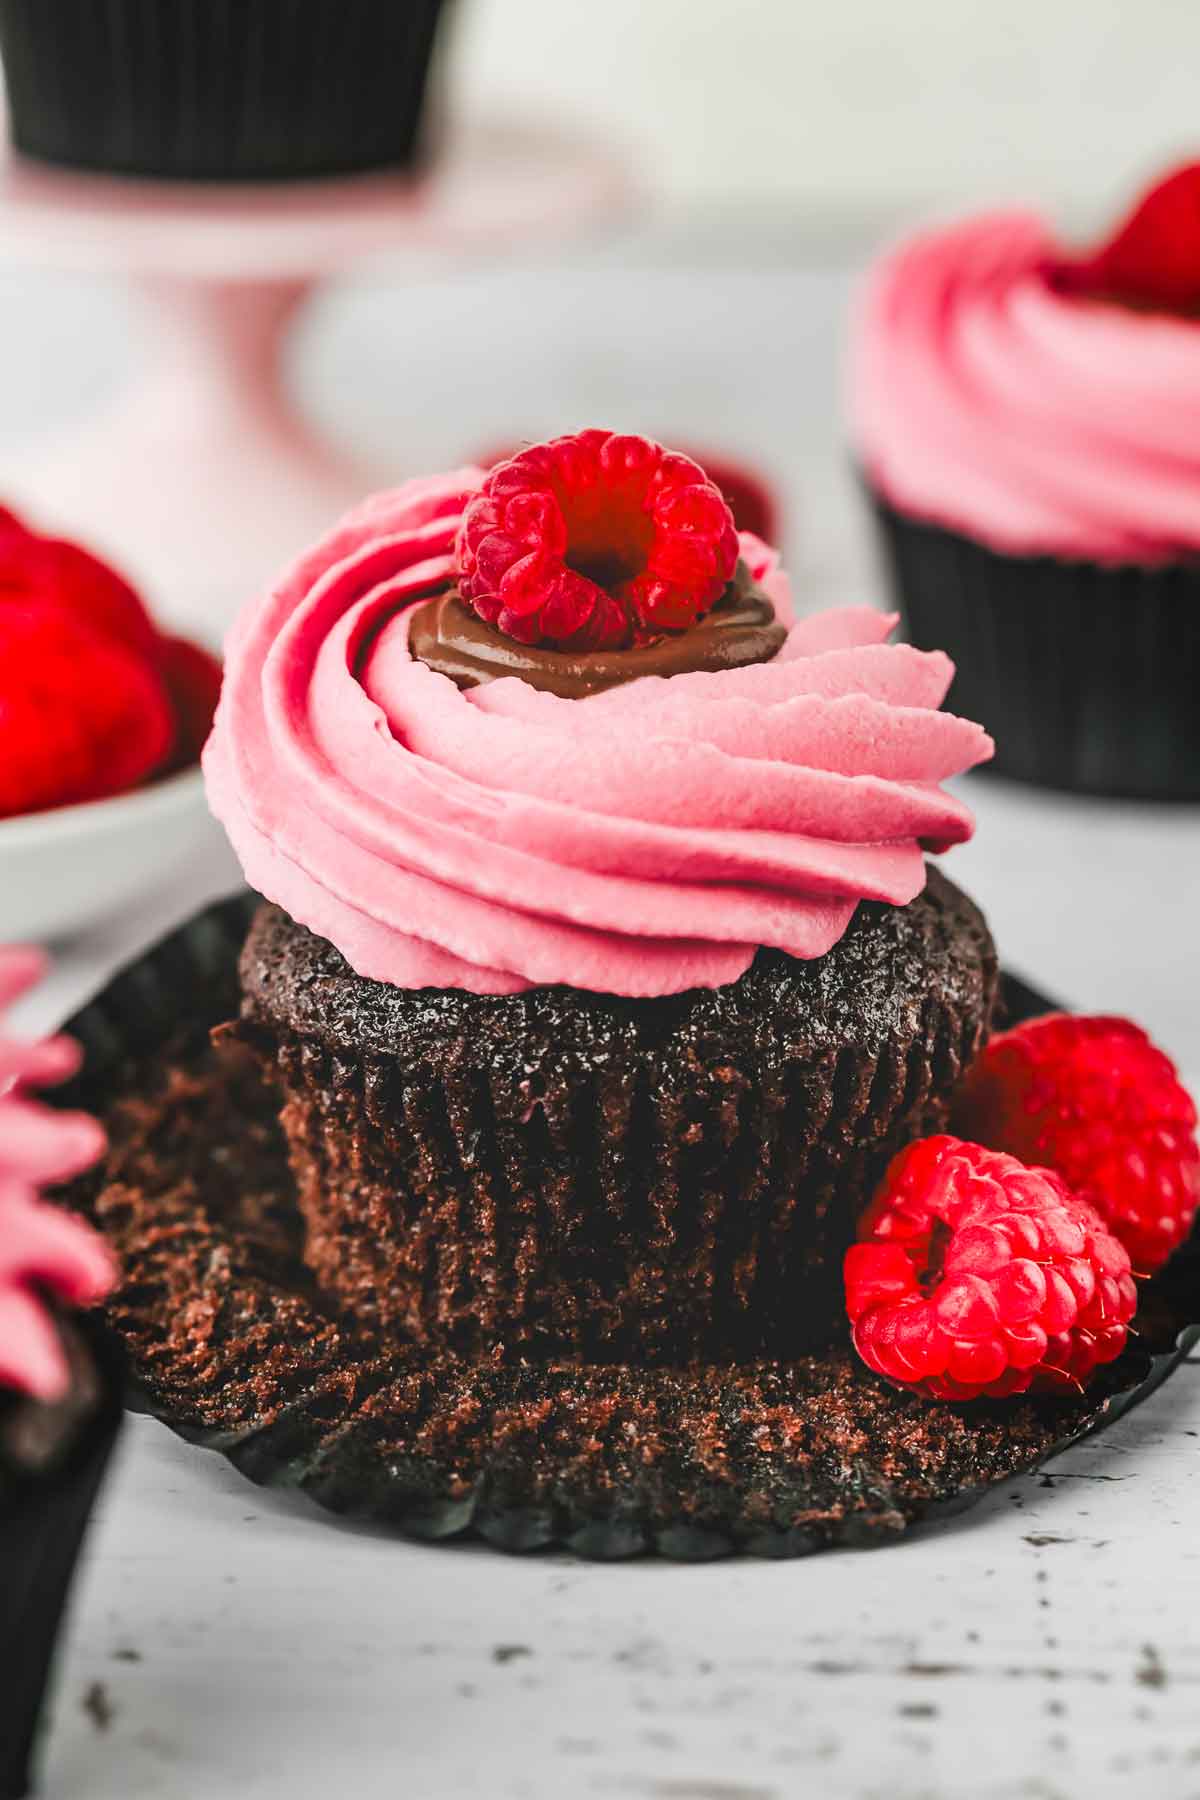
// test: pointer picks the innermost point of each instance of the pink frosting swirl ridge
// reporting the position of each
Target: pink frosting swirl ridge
(643, 841)
(987, 397)
(44, 1253)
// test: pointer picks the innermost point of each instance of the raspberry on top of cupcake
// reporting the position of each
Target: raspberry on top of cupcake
(46, 1256)
(94, 699)
(1041, 401)
(502, 835)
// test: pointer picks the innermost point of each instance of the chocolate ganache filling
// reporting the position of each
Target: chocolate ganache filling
(449, 637)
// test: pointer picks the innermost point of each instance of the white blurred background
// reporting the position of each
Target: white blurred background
(838, 118)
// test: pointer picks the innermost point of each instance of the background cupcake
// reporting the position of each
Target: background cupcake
(599, 996)
(59, 1389)
(218, 90)
(1025, 421)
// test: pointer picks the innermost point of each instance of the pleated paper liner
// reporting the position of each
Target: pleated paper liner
(43, 1521)
(1087, 676)
(232, 1346)
(567, 1175)
(218, 90)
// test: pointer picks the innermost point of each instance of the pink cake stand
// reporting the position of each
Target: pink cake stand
(204, 479)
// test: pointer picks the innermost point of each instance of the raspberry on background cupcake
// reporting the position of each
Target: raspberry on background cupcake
(1024, 420)
(59, 1389)
(599, 997)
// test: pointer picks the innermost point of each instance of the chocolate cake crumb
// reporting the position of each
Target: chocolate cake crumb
(98, 1706)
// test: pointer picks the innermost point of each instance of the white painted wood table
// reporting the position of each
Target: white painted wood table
(230, 1643)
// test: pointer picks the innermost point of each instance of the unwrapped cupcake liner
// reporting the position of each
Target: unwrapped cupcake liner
(773, 1459)
(43, 1520)
(218, 89)
(1087, 676)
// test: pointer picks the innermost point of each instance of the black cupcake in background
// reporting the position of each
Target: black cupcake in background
(1085, 672)
(53, 1455)
(1022, 415)
(219, 90)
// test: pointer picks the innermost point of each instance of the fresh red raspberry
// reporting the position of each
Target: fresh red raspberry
(81, 716)
(193, 678)
(747, 492)
(595, 541)
(975, 1275)
(37, 569)
(1095, 1100)
(1152, 259)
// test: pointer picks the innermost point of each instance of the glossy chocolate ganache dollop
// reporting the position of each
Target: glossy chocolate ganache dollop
(448, 636)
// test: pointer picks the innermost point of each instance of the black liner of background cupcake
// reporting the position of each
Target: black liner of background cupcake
(1087, 673)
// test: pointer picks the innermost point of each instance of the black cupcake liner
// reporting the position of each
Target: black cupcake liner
(43, 1521)
(609, 1462)
(656, 1180)
(1087, 676)
(218, 90)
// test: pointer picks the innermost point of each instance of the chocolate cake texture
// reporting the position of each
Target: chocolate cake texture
(559, 1173)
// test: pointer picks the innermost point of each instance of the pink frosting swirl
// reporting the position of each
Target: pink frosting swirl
(642, 841)
(986, 397)
(43, 1251)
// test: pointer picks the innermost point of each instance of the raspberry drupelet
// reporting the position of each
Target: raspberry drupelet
(595, 541)
(976, 1276)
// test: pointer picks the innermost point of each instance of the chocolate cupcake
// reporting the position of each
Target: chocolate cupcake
(648, 1180)
(1023, 420)
(218, 90)
(594, 1017)
(60, 1393)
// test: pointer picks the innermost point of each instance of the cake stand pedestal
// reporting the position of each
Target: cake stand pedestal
(204, 479)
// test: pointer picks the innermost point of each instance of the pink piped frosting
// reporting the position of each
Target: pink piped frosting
(642, 841)
(988, 399)
(44, 1253)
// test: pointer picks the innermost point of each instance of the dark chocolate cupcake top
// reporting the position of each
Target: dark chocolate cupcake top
(644, 840)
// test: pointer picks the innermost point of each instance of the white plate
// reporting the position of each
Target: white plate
(76, 865)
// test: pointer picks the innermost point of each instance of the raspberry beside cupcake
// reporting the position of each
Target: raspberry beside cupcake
(595, 1018)
(1023, 420)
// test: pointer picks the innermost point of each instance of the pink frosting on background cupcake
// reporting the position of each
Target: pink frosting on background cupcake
(643, 841)
(988, 398)
(45, 1254)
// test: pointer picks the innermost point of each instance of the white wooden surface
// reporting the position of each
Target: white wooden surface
(229, 1642)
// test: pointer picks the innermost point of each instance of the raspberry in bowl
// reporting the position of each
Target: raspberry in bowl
(102, 718)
